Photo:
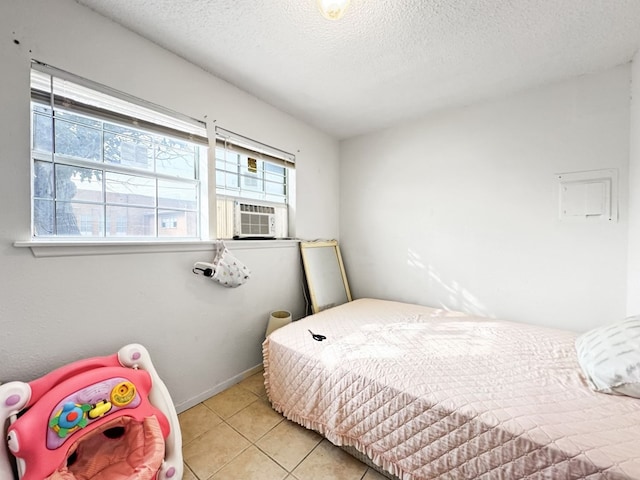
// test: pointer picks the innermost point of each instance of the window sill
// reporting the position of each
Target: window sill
(61, 248)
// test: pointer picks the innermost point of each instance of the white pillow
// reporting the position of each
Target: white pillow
(610, 357)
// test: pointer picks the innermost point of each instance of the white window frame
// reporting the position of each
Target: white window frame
(134, 114)
(235, 144)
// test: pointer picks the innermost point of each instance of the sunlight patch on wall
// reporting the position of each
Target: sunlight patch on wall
(448, 294)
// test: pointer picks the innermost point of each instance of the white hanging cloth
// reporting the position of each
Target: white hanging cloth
(225, 269)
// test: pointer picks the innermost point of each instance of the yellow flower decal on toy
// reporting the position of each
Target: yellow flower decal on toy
(123, 394)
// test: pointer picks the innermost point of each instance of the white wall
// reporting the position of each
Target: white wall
(55, 310)
(633, 287)
(460, 209)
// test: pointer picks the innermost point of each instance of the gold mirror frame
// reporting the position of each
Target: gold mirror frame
(326, 277)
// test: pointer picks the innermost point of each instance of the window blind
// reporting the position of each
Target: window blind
(260, 151)
(55, 87)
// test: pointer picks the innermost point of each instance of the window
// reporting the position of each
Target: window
(106, 165)
(251, 177)
(170, 222)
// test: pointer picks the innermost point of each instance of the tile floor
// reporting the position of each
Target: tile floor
(236, 435)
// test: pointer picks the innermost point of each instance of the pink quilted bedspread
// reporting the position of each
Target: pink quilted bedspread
(427, 393)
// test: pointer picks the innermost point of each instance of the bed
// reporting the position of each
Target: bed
(426, 393)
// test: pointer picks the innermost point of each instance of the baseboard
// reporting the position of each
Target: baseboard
(192, 402)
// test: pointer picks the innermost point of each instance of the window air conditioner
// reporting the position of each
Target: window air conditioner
(253, 220)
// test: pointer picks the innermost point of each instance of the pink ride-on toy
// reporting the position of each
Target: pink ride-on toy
(103, 418)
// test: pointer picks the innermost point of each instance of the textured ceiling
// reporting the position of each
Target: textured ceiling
(385, 61)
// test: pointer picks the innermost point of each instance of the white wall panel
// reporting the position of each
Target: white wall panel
(460, 209)
(633, 287)
(56, 310)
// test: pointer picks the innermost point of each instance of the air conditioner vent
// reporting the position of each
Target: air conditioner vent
(254, 220)
(247, 207)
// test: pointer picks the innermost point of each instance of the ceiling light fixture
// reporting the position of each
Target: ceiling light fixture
(333, 9)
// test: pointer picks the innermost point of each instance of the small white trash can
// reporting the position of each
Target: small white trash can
(277, 319)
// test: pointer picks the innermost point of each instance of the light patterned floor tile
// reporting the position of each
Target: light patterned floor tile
(328, 462)
(196, 421)
(373, 475)
(215, 447)
(213, 450)
(255, 420)
(288, 443)
(231, 401)
(255, 384)
(188, 474)
(251, 464)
